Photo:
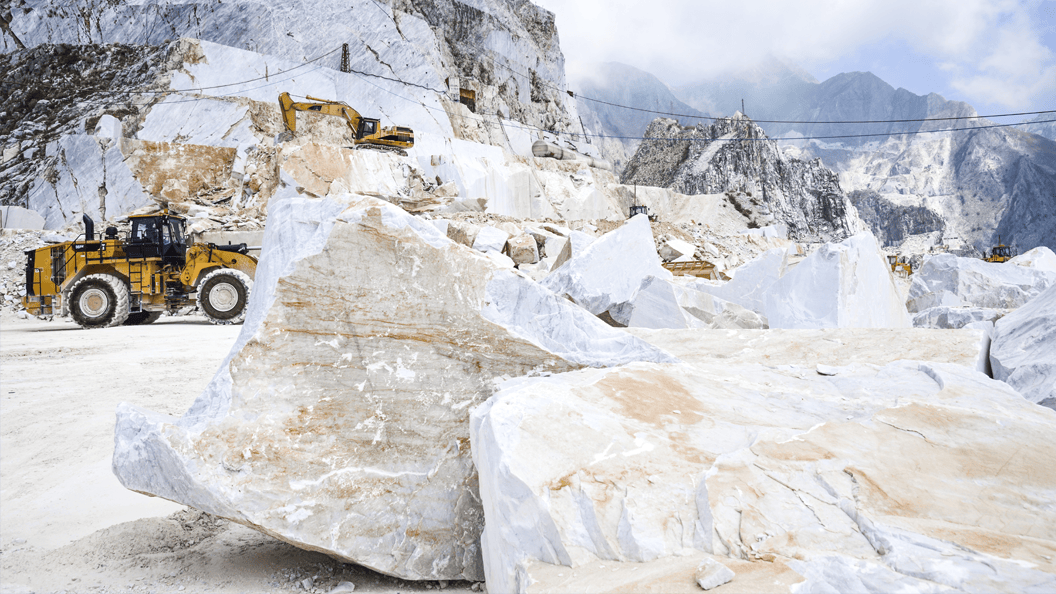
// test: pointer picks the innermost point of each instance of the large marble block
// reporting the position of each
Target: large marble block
(610, 270)
(843, 285)
(1023, 353)
(948, 280)
(911, 476)
(750, 282)
(661, 303)
(339, 422)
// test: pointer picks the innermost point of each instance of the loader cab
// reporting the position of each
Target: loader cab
(1002, 251)
(157, 236)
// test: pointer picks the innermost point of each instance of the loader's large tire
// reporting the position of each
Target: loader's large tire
(224, 295)
(141, 318)
(99, 301)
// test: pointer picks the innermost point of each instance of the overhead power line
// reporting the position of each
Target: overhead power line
(576, 95)
(721, 139)
(944, 119)
(361, 74)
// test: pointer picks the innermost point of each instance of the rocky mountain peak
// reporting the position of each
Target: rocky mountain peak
(734, 156)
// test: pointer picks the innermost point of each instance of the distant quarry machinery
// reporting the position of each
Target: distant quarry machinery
(113, 281)
(366, 132)
(1001, 252)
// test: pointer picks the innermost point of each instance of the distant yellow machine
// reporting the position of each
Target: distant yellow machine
(1000, 252)
(114, 281)
(900, 264)
(366, 132)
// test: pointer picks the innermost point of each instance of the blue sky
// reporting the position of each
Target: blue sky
(998, 55)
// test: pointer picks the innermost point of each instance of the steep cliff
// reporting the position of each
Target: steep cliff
(511, 46)
(477, 80)
(892, 223)
(734, 156)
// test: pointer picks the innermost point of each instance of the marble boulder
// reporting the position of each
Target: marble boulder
(952, 281)
(911, 476)
(340, 420)
(1023, 353)
(610, 270)
(843, 285)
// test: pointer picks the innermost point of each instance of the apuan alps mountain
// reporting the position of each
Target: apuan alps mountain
(976, 184)
(734, 156)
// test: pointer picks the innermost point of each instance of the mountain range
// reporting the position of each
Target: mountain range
(976, 183)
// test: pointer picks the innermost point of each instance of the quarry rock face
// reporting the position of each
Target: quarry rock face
(1024, 349)
(339, 422)
(868, 478)
(948, 280)
(764, 184)
(844, 285)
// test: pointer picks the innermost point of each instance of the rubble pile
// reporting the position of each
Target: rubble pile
(13, 244)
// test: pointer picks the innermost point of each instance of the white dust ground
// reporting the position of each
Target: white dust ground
(67, 524)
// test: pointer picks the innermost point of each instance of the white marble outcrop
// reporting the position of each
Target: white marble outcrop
(610, 270)
(948, 280)
(490, 239)
(662, 303)
(751, 281)
(1023, 353)
(91, 176)
(911, 476)
(945, 317)
(339, 422)
(843, 285)
(673, 249)
(1039, 258)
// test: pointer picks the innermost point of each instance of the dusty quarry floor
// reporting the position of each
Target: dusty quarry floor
(67, 524)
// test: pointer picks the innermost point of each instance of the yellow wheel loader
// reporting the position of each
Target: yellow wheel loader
(366, 132)
(111, 281)
(900, 265)
(1000, 253)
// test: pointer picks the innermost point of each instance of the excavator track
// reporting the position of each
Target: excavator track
(381, 148)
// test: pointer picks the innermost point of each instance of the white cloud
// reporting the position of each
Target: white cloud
(992, 49)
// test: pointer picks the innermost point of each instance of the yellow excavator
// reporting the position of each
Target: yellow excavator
(366, 132)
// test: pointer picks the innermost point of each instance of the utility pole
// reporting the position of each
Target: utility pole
(742, 107)
(344, 59)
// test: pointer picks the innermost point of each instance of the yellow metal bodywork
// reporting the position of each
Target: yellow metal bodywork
(365, 131)
(899, 264)
(201, 259)
(1000, 253)
(58, 267)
